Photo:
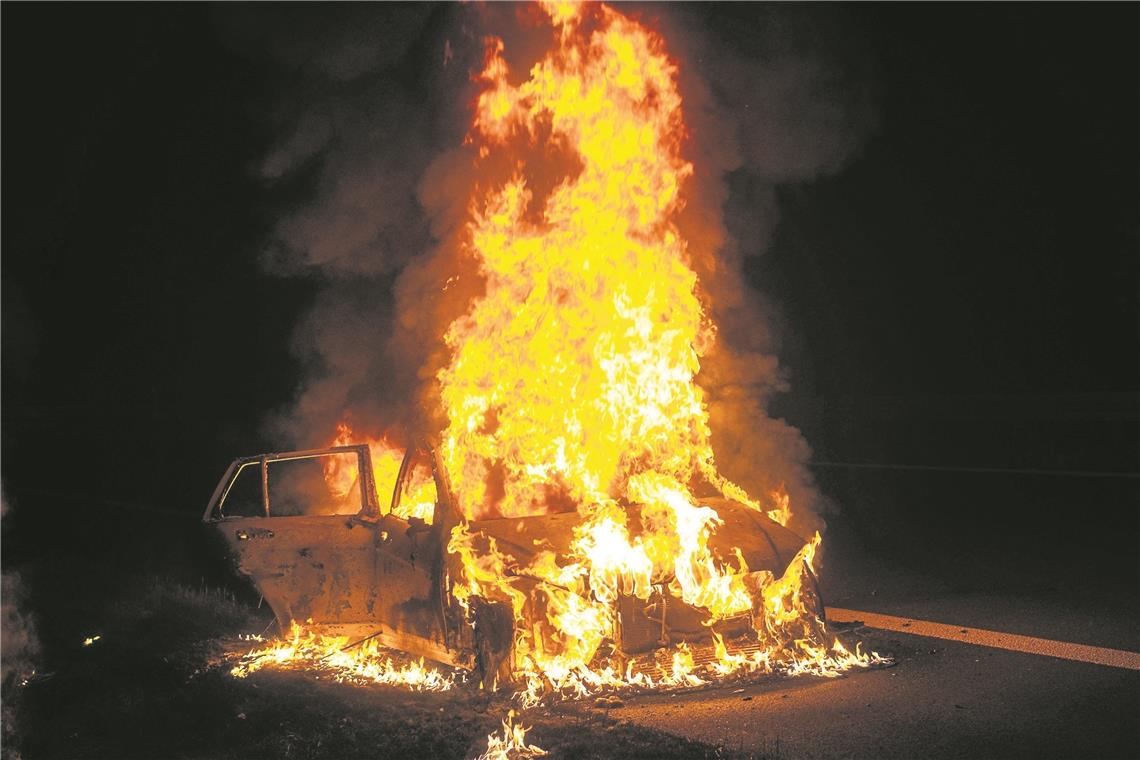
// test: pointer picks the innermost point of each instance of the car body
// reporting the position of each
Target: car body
(372, 573)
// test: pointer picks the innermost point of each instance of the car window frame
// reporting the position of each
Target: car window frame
(369, 500)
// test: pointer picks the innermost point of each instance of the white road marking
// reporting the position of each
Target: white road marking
(1116, 658)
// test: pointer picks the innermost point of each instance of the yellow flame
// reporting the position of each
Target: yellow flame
(782, 512)
(511, 743)
(572, 382)
(576, 367)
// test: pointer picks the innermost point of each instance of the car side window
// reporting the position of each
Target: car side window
(292, 484)
(243, 499)
(318, 485)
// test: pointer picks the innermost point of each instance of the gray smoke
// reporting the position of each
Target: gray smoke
(778, 96)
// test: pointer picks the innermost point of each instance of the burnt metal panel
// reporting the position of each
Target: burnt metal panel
(307, 567)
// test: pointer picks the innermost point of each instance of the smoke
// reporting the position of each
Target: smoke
(779, 95)
(19, 648)
(373, 105)
(366, 97)
(20, 644)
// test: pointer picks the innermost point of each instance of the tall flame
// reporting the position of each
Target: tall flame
(572, 383)
(576, 368)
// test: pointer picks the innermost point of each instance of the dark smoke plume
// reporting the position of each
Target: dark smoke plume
(374, 104)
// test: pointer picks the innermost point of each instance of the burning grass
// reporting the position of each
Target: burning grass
(365, 663)
(345, 661)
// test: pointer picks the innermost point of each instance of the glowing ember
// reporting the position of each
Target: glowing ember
(353, 662)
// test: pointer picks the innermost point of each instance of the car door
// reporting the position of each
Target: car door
(410, 553)
(312, 555)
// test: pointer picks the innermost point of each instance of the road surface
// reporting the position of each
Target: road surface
(944, 698)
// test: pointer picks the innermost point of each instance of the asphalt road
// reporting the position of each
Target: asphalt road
(943, 698)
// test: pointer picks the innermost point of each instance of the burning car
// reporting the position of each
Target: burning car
(571, 529)
(331, 549)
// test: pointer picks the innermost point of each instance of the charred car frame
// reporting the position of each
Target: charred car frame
(373, 574)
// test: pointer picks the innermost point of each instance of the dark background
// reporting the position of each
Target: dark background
(963, 295)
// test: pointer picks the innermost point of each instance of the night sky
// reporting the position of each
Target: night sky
(963, 292)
